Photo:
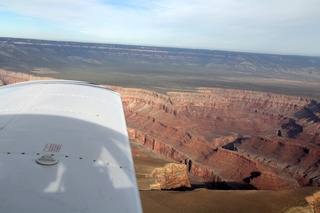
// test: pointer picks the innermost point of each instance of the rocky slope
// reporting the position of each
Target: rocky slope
(230, 138)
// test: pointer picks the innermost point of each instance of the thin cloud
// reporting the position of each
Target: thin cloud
(247, 25)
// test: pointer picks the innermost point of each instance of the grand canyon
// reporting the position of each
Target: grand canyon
(230, 138)
(194, 134)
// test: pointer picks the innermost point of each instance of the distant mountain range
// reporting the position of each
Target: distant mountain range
(126, 65)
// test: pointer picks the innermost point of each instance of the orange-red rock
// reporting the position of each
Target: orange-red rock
(200, 127)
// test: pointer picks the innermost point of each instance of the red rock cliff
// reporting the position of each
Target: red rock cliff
(198, 129)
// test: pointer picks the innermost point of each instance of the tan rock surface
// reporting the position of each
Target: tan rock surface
(171, 176)
(314, 201)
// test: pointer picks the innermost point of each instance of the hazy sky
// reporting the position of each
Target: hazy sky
(269, 26)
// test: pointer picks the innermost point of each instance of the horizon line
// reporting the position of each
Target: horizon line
(142, 45)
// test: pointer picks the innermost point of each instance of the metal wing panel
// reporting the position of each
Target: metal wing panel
(56, 190)
(81, 126)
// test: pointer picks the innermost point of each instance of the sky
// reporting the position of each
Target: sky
(262, 26)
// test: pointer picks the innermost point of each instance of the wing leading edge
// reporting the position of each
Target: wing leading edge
(64, 148)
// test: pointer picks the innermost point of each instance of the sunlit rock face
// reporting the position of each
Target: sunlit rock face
(171, 176)
(314, 201)
(312, 207)
(233, 138)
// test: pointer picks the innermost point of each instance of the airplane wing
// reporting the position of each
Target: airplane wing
(64, 148)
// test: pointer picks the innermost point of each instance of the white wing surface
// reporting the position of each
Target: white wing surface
(64, 148)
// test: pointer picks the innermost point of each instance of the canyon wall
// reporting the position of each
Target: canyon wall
(238, 138)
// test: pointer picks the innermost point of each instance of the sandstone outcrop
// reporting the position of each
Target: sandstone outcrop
(312, 207)
(314, 201)
(171, 176)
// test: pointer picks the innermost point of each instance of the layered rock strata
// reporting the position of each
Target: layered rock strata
(171, 176)
(242, 139)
